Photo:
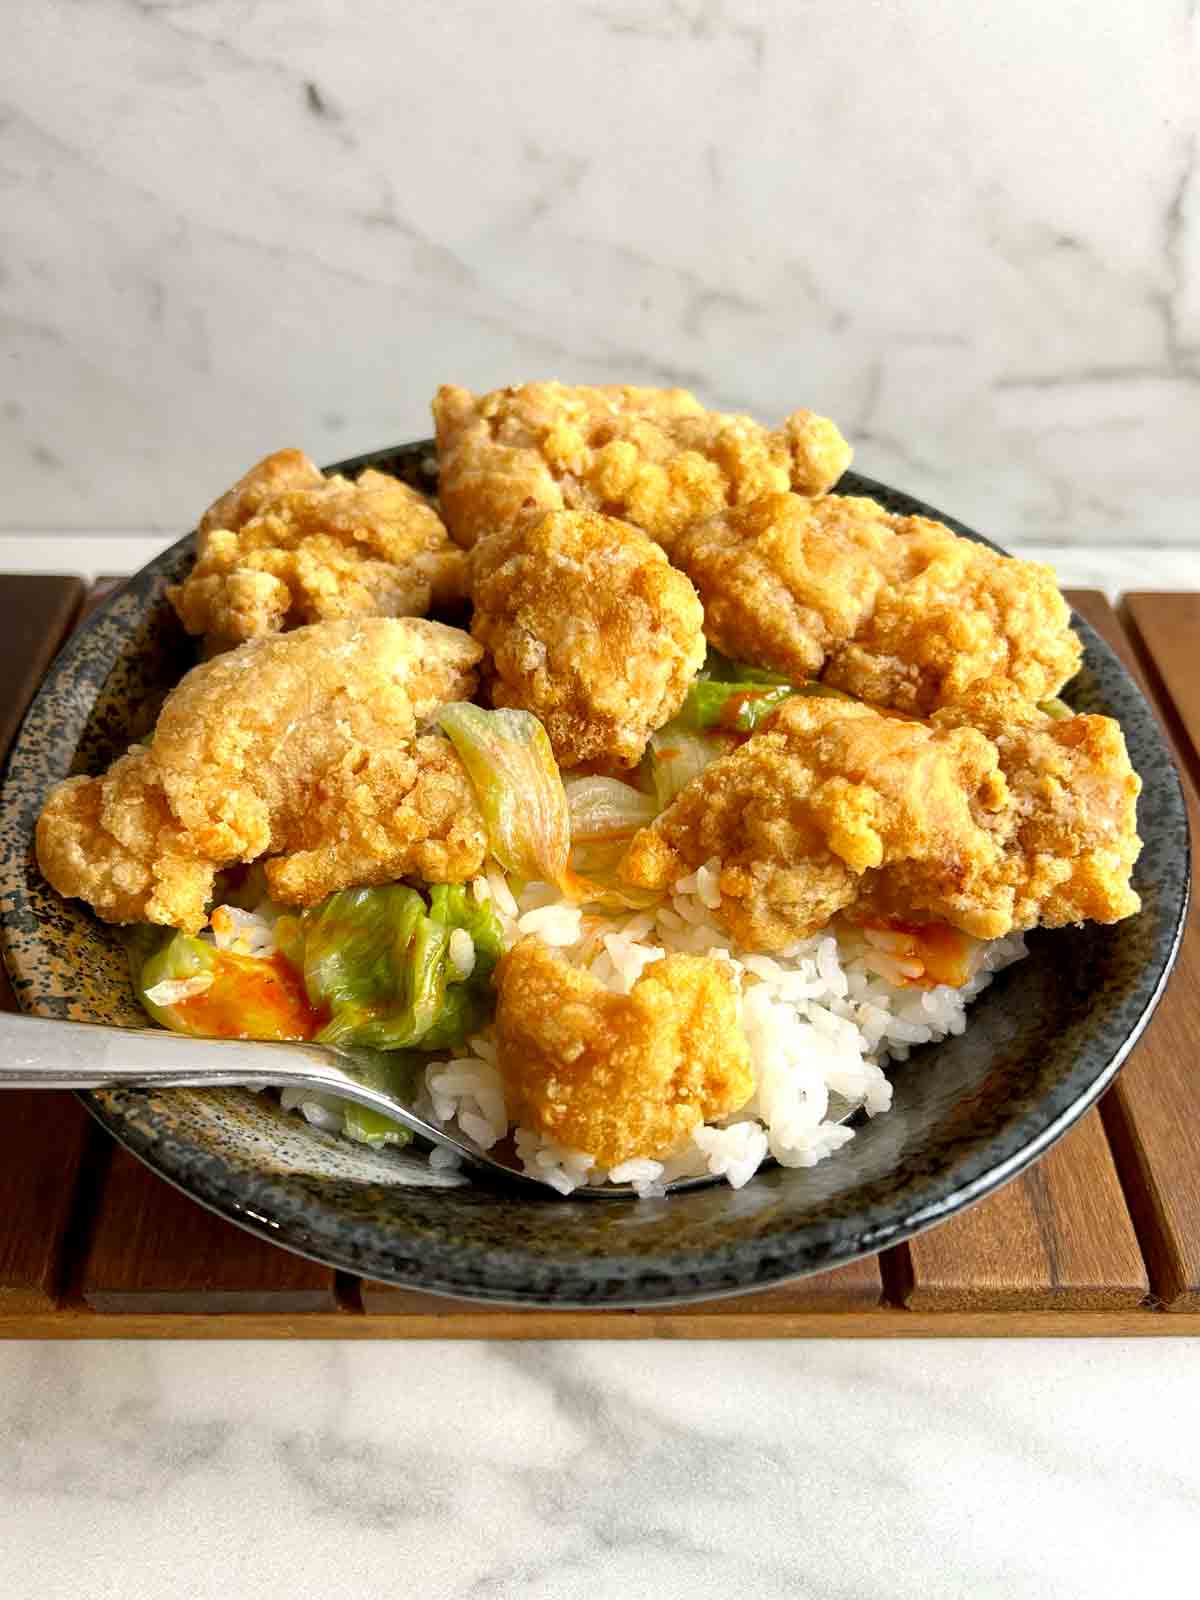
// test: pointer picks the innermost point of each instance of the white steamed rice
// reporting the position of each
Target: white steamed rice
(823, 1019)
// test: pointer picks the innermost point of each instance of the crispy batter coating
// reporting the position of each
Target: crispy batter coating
(297, 746)
(114, 842)
(897, 610)
(655, 457)
(588, 627)
(958, 615)
(286, 546)
(834, 806)
(1073, 809)
(398, 812)
(784, 579)
(618, 1076)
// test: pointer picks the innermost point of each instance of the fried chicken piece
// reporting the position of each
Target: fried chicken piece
(897, 610)
(299, 746)
(834, 806)
(958, 614)
(588, 627)
(114, 842)
(1073, 809)
(618, 1076)
(255, 744)
(784, 579)
(286, 546)
(655, 457)
(401, 812)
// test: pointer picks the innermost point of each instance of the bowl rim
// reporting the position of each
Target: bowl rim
(488, 1275)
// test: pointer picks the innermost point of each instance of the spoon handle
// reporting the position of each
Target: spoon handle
(39, 1053)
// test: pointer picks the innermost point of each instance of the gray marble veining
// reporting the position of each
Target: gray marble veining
(970, 233)
(1020, 1470)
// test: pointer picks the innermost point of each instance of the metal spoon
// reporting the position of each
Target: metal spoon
(38, 1053)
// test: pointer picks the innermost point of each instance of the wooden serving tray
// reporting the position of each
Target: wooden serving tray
(1102, 1236)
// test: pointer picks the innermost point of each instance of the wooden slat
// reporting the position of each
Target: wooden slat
(35, 616)
(154, 1250)
(855, 1287)
(1166, 627)
(42, 1137)
(1058, 1237)
(1152, 1115)
(884, 1322)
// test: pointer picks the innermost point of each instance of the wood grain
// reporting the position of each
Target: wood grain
(887, 1322)
(43, 1140)
(1152, 1115)
(42, 1137)
(1165, 631)
(35, 616)
(153, 1249)
(1057, 1238)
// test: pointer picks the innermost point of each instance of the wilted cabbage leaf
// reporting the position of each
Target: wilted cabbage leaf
(245, 997)
(379, 961)
(517, 783)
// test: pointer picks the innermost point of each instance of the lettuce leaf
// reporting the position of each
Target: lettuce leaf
(678, 753)
(720, 669)
(734, 707)
(245, 997)
(379, 960)
(517, 783)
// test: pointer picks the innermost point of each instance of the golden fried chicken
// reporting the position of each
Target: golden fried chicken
(1073, 808)
(589, 628)
(618, 1076)
(784, 579)
(114, 842)
(287, 546)
(403, 811)
(300, 747)
(655, 457)
(897, 610)
(834, 806)
(958, 614)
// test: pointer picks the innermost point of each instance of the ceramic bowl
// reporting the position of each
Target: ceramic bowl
(1043, 1042)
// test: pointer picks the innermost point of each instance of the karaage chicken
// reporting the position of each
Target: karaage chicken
(836, 807)
(899, 611)
(287, 546)
(655, 457)
(618, 1075)
(588, 627)
(299, 747)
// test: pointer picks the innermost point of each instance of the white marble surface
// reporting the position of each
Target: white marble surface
(969, 232)
(997, 1470)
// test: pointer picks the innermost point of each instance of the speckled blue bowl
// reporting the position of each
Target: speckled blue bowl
(969, 1114)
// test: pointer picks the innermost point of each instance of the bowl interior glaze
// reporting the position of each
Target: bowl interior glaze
(1044, 1041)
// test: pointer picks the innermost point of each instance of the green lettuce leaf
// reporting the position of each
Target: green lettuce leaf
(379, 961)
(246, 997)
(720, 669)
(517, 783)
(735, 707)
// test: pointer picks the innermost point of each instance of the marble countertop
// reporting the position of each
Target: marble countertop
(923, 1470)
(969, 233)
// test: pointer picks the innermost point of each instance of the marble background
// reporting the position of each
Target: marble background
(939, 1470)
(971, 233)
